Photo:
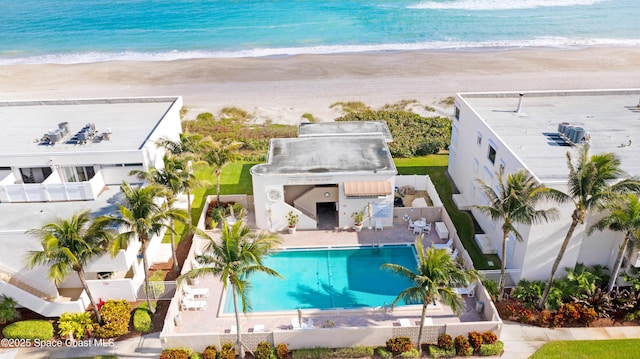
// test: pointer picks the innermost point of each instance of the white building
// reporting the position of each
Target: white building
(60, 157)
(325, 175)
(513, 131)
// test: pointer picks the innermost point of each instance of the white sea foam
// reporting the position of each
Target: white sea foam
(499, 5)
(541, 42)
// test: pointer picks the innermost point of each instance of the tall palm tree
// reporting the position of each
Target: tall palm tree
(218, 154)
(173, 177)
(141, 216)
(515, 202)
(68, 245)
(238, 254)
(623, 216)
(593, 183)
(435, 277)
(188, 149)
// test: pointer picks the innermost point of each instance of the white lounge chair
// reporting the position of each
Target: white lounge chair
(295, 324)
(469, 291)
(258, 328)
(195, 292)
(234, 329)
(446, 246)
(454, 255)
(188, 304)
(379, 226)
(428, 321)
(405, 322)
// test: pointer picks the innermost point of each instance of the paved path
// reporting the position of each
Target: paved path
(520, 342)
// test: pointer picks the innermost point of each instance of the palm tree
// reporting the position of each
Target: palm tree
(593, 184)
(172, 177)
(142, 216)
(188, 148)
(515, 203)
(435, 277)
(238, 254)
(218, 154)
(68, 245)
(623, 216)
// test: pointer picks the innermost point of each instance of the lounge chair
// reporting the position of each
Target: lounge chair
(195, 292)
(379, 226)
(454, 255)
(258, 328)
(308, 324)
(428, 321)
(468, 291)
(234, 329)
(446, 246)
(188, 304)
(405, 322)
(295, 324)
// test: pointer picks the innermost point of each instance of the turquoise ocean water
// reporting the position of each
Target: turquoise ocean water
(72, 31)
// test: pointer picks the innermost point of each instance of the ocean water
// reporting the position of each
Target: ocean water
(73, 31)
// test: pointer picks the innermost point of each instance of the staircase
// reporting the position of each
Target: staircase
(6, 277)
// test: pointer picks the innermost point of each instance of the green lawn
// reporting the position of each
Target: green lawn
(586, 349)
(436, 167)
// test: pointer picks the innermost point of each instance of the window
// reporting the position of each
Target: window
(492, 154)
(78, 174)
(456, 113)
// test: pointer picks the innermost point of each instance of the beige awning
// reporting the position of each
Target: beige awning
(367, 189)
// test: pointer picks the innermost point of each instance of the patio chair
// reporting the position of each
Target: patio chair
(446, 246)
(196, 292)
(379, 226)
(417, 230)
(468, 291)
(427, 228)
(188, 304)
(411, 225)
(423, 219)
(295, 324)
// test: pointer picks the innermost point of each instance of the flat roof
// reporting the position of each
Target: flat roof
(345, 128)
(611, 117)
(130, 120)
(327, 154)
(29, 215)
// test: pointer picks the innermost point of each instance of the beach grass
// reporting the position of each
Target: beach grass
(436, 167)
(586, 349)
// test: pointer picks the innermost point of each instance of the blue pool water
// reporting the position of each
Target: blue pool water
(70, 31)
(329, 278)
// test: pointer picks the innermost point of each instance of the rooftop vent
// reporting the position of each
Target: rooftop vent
(520, 103)
(574, 135)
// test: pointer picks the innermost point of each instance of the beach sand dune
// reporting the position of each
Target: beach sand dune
(282, 89)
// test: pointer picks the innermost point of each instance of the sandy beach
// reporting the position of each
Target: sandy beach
(281, 89)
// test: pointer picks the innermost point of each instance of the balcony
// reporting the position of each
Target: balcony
(52, 189)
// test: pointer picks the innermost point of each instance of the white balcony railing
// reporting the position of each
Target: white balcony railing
(51, 190)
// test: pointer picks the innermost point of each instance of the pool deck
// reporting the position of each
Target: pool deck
(211, 320)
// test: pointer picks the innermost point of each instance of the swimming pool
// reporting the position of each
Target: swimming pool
(329, 278)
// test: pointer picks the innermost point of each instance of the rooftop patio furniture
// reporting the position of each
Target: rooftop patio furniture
(188, 304)
(196, 292)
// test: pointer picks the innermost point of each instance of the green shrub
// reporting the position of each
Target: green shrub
(312, 353)
(489, 337)
(353, 352)
(211, 351)
(445, 341)
(263, 351)
(142, 321)
(282, 352)
(227, 351)
(462, 346)
(411, 353)
(438, 352)
(29, 329)
(475, 340)
(8, 310)
(176, 353)
(196, 355)
(399, 345)
(74, 323)
(116, 315)
(491, 349)
(383, 352)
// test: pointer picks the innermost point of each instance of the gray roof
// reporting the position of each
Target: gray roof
(345, 128)
(131, 120)
(611, 117)
(327, 154)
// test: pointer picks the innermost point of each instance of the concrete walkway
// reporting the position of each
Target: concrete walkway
(520, 342)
